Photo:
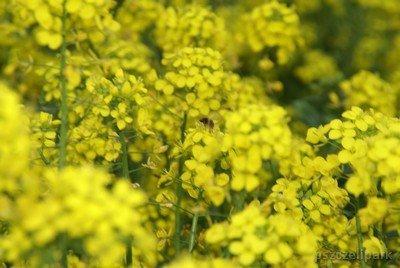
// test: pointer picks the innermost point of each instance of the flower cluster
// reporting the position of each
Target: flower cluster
(275, 240)
(245, 92)
(185, 133)
(92, 140)
(201, 168)
(256, 136)
(364, 90)
(14, 145)
(273, 26)
(137, 17)
(200, 263)
(44, 132)
(194, 26)
(195, 76)
(81, 213)
(317, 67)
(53, 210)
(133, 58)
(93, 17)
(362, 150)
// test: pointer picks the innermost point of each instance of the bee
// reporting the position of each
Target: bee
(207, 122)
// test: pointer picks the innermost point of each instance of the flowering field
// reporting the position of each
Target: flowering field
(199, 133)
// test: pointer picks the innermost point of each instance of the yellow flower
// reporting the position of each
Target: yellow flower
(202, 166)
(374, 212)
(315, 135)
(254, 135)
(317, 66)
(190, 26)
(82, 210)
(273, 26)
(120, 115)
(216, 234)
(365, 89)
(14, 141)
(373, 245)
(358, 185)
(193, 81)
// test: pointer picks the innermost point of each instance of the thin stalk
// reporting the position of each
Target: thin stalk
(179, 193)
(125, 174)
(64, 255)
(360, 241)
(124, 158)
(64, 93)
(239, 201)
(63, 112)
(64, 259)
(193, 230)
(382, 236)
(43, 158)
(273, 170)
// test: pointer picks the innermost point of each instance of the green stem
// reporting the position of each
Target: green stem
(179, 193)
(64, 251)
(45, 161)
(63, 113)
(64, 259)
(64, 93)
(117, 6)
(125, 174)
(124, 158)
(360, 240)
(192, 238)
(274, 172)
(383, 239)
(239, 201)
